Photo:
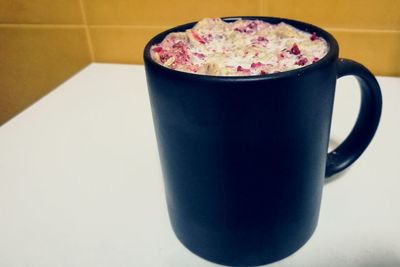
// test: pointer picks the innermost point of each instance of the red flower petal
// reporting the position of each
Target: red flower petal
(295, 49)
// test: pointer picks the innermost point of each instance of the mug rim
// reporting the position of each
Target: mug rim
(333, 51)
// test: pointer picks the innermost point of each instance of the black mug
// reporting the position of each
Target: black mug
(244, 158)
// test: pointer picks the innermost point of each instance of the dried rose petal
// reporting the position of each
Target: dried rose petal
(262, 39)
(179, 44)
(252, 25)
(313, 36)
(198, 38)
(157, 49)
(240, 68)
(295, 49)
(315, 59)
(256, 65)
(199, 55)
(301, 62)
(164, 58)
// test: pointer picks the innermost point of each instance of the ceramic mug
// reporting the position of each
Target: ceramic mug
(244, 158)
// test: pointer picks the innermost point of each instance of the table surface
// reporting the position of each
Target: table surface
(81, 183)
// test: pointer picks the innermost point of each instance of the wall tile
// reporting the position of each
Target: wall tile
(362, 14)
(40, 11)
(34, 60)
(378, 51)
(161, 12)
(125, 45)
(121, 44)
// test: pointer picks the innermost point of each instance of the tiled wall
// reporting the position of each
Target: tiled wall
(42, 42)
(367, 30)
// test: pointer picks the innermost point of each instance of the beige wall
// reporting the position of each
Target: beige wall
(43, 42)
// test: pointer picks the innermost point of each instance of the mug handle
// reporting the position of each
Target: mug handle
(367, 121)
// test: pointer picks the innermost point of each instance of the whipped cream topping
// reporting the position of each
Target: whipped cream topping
(239, 48)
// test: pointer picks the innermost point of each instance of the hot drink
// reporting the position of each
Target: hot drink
(240, 48)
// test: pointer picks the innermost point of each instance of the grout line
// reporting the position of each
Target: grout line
(25, 25)
(88, 36)
(86, 26)
(261, 7)
(132, 26)
(170, 26)
(361, 30)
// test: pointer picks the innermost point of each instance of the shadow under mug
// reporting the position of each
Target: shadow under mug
(244, 158)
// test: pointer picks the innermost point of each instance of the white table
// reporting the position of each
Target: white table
(80, 183)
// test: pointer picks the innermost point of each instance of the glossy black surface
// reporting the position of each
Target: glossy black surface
(244, 158)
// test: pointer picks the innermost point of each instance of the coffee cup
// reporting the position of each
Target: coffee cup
(244, 159)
